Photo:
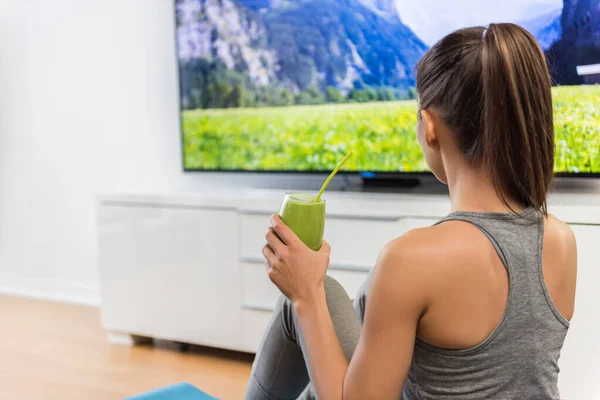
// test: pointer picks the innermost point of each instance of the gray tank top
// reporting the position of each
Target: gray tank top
(519, 359)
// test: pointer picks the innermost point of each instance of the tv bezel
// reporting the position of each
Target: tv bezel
(408, 174)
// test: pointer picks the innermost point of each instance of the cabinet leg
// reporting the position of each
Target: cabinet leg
(126, 339)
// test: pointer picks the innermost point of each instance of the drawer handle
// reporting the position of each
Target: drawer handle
(257, 307)
(389, 218)
(358, 268)
(165, 206)
(334, 266)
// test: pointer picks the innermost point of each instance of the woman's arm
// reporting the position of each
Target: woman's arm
(397, 299)
(299, 273)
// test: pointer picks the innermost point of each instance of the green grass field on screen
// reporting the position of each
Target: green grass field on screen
(382, 135)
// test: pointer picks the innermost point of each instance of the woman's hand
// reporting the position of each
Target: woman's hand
(294, 268)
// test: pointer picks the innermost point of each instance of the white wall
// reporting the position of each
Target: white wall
(88, 104)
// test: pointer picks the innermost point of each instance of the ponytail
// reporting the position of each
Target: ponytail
(493, 89)
(518, 134)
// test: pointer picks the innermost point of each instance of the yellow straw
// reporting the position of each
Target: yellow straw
(335, 171)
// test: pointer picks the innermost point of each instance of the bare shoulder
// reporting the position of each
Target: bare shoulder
(415, 245)
(560, 233)
(559, 264)
(402, 278)
(414, 268)
(436, 257)
(559, 247)
(436, 246)
(429, 252)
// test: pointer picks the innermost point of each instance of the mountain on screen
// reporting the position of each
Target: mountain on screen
(283, 52)
(546, 28)
(303, 43)
(580, 41)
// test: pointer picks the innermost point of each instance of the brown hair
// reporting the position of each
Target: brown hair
(492, 88)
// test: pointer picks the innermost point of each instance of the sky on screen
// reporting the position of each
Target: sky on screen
(432, 19)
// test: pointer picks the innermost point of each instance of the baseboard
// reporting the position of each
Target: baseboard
(51, 289)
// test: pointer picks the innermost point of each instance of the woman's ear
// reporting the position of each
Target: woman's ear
(430, 131)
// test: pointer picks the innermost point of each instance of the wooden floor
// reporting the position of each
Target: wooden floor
(56, 351)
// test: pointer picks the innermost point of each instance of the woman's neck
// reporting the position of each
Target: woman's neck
(473, 190)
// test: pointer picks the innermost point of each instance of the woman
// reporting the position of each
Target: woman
(475, 307)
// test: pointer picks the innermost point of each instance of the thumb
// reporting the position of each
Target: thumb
(325, 247)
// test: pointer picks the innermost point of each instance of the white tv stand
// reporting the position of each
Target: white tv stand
(188, 268)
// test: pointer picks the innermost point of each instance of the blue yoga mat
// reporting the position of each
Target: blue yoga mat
(181, 391)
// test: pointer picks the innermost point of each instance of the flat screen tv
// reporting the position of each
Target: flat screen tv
(292, 85)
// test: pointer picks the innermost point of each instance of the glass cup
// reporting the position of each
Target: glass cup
(305, 217)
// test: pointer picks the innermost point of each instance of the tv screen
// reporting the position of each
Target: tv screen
(292, 85)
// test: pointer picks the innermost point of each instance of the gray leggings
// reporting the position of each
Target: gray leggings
(280, 370)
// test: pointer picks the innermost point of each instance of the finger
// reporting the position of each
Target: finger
(285, 233)
(274, 241)
(269, 255)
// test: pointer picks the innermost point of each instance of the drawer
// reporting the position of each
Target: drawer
(259, 293)
(254, 324)
(355, 241)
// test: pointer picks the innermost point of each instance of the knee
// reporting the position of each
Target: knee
(334, 290)
(285, 308)
(331, 284)
(283, 304)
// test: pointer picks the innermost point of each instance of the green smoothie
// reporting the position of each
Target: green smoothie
(305, 217)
